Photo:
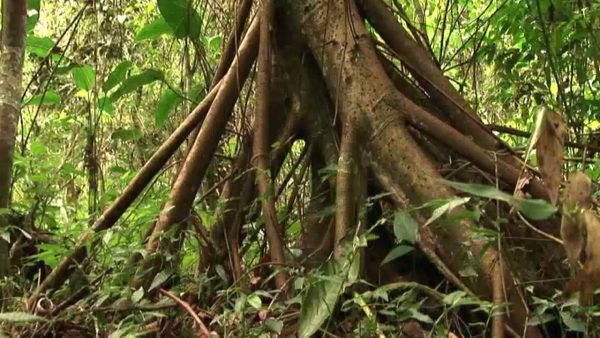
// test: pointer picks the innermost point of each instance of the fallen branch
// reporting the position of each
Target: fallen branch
(202, 330)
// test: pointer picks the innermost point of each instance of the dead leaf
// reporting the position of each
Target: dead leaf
(576, 196)
(578, 191)
(588, 279)
(549, 149)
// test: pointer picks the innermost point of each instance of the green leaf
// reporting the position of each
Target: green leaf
(396, 252)
(182, 17)
(319, 301)
(159, 279)
(39, 46)
(117, 75)
(20, 317)
(153, 30)
(84, 77)
(105, 104)
(405, 227)
(536, 209)
(50, 97)
(33, 14)
(274, 325)
(573, 323)
(481, 190)
(134, 82)
(254, 301)
(168, 101)
(446, 207)
(127, 134)
(137, 295)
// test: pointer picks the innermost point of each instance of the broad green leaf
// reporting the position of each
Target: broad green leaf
(127, 134)
(39, 46)
(536, 209)
(182, 17)
(159, 279)
(20, 317)
(481, 190)
(168, 101)
(137, 295)
(117, 75)
(274, 325)
(405, 227)
(153, 30)
(397, 252)
(254, 301)
(84, 77)
(105, 104)
(319, 301)
(134, 82)
(446, 207)
(50, 97)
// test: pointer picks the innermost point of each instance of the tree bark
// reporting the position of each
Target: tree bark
(365, 96)
(261, 147)
(14, 16)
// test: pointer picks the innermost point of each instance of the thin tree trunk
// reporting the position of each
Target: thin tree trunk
(184, 191)
(261, 147)
(14, 16)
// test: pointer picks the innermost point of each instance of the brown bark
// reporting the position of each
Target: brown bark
(358, 84)
(261, 146)
(427, 72)
(14, 15)
(344, 192)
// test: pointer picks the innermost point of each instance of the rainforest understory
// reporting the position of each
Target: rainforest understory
(325, 177)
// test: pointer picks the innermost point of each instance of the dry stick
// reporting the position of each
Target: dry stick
(200, 156)
(131, 192)
(344, 214)
(261, 145)
(203, 331)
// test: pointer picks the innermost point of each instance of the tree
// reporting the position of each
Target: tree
(378, 119)
(14, 14)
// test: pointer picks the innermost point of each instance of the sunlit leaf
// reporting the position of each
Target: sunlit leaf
(39, 46)
(117, 75)
(84, 77)
(50, 97)
(182, 17)
(168, 101)
(153, 30)
(135, 81)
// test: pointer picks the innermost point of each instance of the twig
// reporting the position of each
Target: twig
(202, 330)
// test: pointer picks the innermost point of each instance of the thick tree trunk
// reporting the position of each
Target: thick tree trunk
(366, 97)
(14, 16)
